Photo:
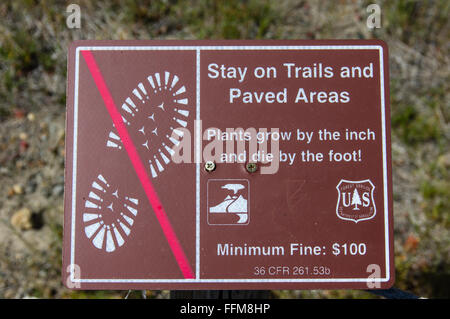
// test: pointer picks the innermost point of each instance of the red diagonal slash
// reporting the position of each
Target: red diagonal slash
(152, 196)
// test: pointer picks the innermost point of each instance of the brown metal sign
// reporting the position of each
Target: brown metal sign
(228, 165)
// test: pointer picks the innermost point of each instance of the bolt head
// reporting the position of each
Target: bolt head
(210, 166)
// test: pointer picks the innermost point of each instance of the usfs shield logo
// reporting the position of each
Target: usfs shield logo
(355, 200)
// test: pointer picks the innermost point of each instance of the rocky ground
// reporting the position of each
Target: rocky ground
(33, 49)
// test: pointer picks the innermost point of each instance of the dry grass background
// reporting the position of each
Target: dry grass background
(33, 49)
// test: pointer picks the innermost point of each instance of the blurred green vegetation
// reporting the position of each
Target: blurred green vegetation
(33, 48)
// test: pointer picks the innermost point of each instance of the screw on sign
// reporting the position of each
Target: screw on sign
(171, 184)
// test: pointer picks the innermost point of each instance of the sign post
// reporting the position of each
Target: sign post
(228, 165)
